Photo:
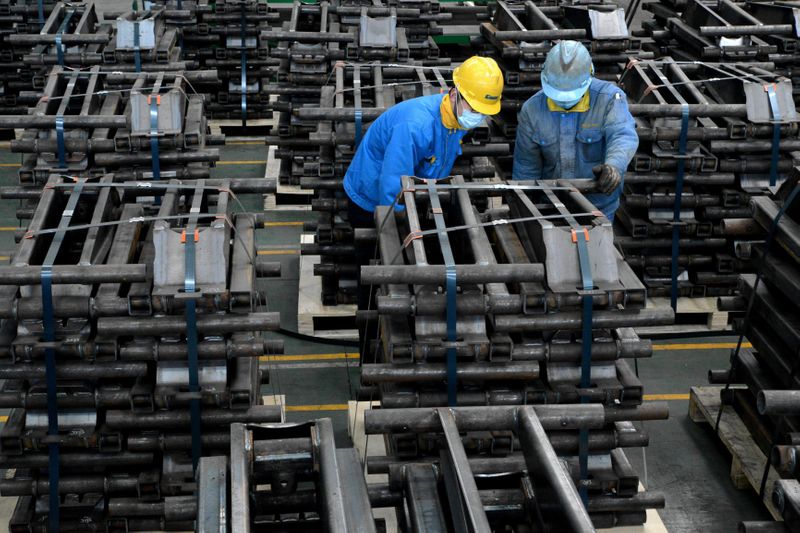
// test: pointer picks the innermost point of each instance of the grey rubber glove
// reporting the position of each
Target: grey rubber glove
(608, 178)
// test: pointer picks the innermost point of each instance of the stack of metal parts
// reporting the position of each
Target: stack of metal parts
(768, 405)
(741, 136)
(524, 480)
(19, 19)
(226, 36)
(752, 30)
(480, 304)
(134, 125)
(281, 477)
(131, 337)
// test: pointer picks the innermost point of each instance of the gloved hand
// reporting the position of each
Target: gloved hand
(608, 178)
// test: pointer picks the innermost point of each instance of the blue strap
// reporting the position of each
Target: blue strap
(191, 339)
(137, 54)
(244, 66)
(358, 127)
(451, 287)
(62, 153)
(676, 214)
(41, 13)
(357, 95)
(49, 336)
(61, 30)
(154, 101)
(587, 282)
(776, 133)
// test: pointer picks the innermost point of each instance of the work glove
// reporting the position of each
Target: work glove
(608, 178)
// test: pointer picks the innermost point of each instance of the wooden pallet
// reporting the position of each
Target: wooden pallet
(313, 318)
(693, 315)
(747, 465)
(286, 197)
(375, 446)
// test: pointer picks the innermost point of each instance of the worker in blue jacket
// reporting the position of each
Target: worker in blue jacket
(576, 127)
(420, 137)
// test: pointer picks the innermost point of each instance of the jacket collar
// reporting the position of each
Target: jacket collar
(581, 107)
(449, 119)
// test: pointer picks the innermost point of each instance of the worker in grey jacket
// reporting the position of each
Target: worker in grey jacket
(576, 127)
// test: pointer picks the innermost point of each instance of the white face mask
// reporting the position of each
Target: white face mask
(469, 119)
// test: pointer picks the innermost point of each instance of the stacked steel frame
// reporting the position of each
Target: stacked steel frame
(105, 369)
(283, 477)
(752, 30)
(20, 19)
(482, 306)
(116, 321)
(768, 404)
(740, 138)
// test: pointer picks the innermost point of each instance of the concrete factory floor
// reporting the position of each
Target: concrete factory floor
(684, 459)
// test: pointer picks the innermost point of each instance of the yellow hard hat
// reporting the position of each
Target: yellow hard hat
(480, 82)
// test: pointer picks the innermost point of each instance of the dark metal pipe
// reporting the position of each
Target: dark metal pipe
(170, 325)
(69, 274)
(436, 274)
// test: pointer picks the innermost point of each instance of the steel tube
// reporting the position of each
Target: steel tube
(73, 274)
(44, 122)
(516, 370)
(258, 414)
(778, 402)
(170, 325)
(573, 320)
(541, 458)
(436, 274)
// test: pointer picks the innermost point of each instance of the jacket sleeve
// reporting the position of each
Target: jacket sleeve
(620, 131)
(399, 159)
(527, 153)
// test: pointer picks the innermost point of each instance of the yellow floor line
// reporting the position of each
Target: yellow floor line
(310, 357)
(244, 162)
(321, 407)
(282, 224)
(278, 252)
(3, 418)
(5, 257)
(699, 346)
(9, 228)
(9, 164)
(651, 397)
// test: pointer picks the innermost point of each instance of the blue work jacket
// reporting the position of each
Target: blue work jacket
(566, 145)
(408, 139)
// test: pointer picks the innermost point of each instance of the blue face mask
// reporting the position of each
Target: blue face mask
(469, 119)
(570, 104)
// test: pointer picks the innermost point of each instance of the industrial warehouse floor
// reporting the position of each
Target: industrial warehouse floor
(684, 459)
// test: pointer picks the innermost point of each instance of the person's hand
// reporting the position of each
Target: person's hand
(608, 178)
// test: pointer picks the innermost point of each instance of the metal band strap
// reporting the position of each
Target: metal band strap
(191, 340)
(358, 111)
(62, 153)
(137, 54)
(244, 66)
(49, 336)
(155, 100)
(676, 214)
(581, 240)
(61, 30)
(450, 287)
(776, 133)
(41, 13)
